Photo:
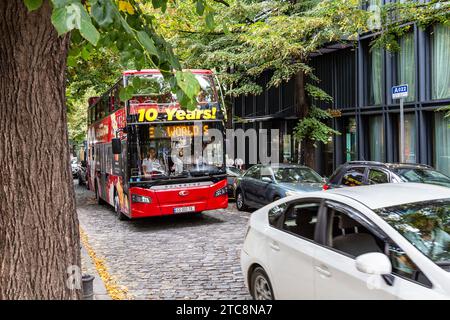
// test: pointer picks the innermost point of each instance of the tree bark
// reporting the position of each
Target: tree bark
(39, 236)
(307, 145)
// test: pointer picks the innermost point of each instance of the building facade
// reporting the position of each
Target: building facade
(359, 78)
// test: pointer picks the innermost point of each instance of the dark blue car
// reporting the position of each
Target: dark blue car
(263, 184)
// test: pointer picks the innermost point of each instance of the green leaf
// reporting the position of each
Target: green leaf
(190, 87)
(33, 4)
(103, 11)
(75, 16)
(209, 19)
(200, 7)
(147, 42)
(126, 93)
(160, 4)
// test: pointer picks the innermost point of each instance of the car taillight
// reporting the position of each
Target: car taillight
(326, 187)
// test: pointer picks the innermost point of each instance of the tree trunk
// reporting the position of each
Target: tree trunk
(39, 236)
(307, 145)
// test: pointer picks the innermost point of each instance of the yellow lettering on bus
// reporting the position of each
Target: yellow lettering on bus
(170, 114)
(151, 114)
(180, 115)
(141, 115)
(206, 114)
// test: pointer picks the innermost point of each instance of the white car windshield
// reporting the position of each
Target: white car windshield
(425, 224)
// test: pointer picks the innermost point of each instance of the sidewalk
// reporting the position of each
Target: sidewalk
(88, 267)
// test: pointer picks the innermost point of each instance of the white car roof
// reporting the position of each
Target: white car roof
(392, 194)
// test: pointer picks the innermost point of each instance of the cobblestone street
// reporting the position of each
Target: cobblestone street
(175, 257)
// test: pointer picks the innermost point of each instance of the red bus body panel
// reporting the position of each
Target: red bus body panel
(165, 201)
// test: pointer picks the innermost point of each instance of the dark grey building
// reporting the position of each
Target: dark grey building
(360, 79)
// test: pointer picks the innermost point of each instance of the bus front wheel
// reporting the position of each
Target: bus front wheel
(119, 213)
(97, 194)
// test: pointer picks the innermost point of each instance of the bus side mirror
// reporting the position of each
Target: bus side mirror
(116, 146)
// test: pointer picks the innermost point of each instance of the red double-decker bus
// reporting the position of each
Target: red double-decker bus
(148, 156)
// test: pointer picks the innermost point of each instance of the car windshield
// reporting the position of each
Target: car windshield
(425, 224)
(296, 175)
(422, 176)
(185, 150)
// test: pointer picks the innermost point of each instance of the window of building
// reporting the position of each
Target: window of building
(440, 66)
(375, 71)
(406, 64)
(410, 138)
(376, 138)
(442, 143)
(301, 219)
(378, 176)
(350, 139)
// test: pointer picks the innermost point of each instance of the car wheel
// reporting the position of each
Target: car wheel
(119, 213)
(260, 284)
(276, 198)
(240, 204)
(80, 181)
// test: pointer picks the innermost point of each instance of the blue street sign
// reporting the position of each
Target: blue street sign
(400, 91)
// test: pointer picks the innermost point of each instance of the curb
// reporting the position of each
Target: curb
(100, 292)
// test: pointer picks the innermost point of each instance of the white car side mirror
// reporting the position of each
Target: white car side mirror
(374, 263)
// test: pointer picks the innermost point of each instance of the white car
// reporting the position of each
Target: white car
(387, 241)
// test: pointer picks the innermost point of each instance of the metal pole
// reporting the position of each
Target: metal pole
(402, 133)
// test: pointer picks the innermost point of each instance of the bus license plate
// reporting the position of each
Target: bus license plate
(184, 209)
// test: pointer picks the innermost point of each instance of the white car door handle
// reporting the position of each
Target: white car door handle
(274, 246)
(323, 271)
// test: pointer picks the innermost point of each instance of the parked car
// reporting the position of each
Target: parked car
(387, 241)
(74, 167)
(356, 173)
(233, 174)
(262, 184)
(81, 174)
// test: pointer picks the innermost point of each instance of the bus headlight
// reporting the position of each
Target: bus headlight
(221, 192)
(140, 199)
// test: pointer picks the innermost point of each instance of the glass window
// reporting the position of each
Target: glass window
(378, 176)
(353, 177)
(349, 236)
(406, 65)
(350, 139)
(376, 138)
(375, 86)
(410, 138)
(442, 143)
(403, 266)
(276, 213)
(301, 219)
(296, 174)
(440, 66)
(185, 150)
(419, 175)
(426, 225)
(253, 172)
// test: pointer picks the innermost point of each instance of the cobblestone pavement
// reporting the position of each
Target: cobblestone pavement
(173, 257)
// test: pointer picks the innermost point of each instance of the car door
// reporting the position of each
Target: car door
(335, 273)
(264, 186)
(292, 248)
(248, 185)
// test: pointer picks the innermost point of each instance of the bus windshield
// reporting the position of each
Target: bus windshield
(152, 88)
(167, 150)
